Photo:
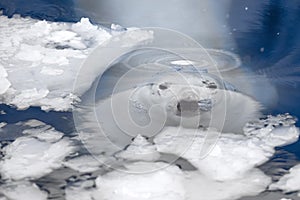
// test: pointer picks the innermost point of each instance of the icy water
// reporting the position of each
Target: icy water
(263, 35)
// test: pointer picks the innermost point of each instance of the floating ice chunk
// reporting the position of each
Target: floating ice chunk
(37, 157)
(22, 191)
(40, 28)
(166, 183)
(81, 193)
(51, 71)
(26, 97)
(282, 136)
(163, 181)
(159, 184)
(58, 103)
(64, 39)
(61, 36)
(3, 72)
(84, 163)
(4, 83)
(232, 155)
(47, 56)
(289, 182)
(77, 44)
(139, 149)
(30, 53)
(53, 58)
(45, 134)
(2, 124)
(134, 36)
(198, 185)
(34, 123)
(89, 31)
(274, 130)
(117, 27)
(84, 27)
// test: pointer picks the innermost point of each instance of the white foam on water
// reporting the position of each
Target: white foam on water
(289, 182)
(22, 190)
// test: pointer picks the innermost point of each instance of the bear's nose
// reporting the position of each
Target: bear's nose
(185, 107)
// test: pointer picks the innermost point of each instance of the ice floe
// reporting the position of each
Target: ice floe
(198, 185)
(84, 163)
(2, 124)
(232, 155)
(39, 60)
(139, 149)
(228, 171)
(4, 83)
(289, 182)
(166, 183)
(35, 154)
(42, 58)
(162, 184)
(22, 190)
(38, 65)
(169, 182)
(81, 190)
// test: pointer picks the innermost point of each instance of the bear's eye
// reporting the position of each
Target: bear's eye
(163, 86)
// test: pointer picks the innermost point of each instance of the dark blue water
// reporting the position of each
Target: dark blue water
(53, 10)
(267, 37)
